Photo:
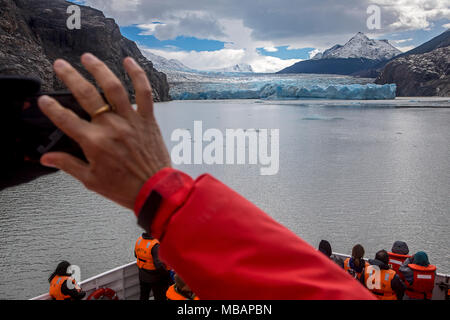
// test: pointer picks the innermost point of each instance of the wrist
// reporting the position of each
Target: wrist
(159, 199)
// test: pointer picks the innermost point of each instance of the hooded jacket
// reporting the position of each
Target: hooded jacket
(396, 283)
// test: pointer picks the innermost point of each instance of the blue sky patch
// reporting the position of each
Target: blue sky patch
(284, 53)
(179, 43)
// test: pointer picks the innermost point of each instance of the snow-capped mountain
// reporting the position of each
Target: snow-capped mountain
(165, 65)
(360, 46)
(242, 67)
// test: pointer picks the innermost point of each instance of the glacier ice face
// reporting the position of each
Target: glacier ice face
(285, 91)
(278, 86)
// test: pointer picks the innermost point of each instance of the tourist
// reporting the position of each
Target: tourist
(153, 274)
(381, 280)
(398, 255)
(325, 248)
(419, 276)
(355, 264)
(180, 290)
(63, 286)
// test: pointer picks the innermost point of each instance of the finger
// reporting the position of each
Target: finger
(67, 163)
(111, 85)
(64, 119)
(86, 94)
(142, 87)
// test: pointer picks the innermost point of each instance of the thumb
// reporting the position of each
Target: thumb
(67, 163)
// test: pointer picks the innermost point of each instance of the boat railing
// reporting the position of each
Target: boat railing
(124, 280)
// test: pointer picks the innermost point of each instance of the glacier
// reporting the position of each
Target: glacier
(274, 91)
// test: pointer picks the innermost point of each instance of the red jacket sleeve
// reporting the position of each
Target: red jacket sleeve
(224, 247)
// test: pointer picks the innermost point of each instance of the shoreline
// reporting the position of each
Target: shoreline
(397, 103)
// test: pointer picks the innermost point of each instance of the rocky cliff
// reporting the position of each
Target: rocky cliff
(34, 33)
(426, 74)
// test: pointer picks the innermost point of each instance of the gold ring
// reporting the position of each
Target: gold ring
(104, 109)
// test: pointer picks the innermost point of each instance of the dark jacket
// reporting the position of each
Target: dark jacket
(406, 271)
(396, 283)
(73, 293)
(337, 260)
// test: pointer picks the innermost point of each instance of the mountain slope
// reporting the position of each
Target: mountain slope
(442, 40)
(332, 66)
(426, 74)
(422, 71)
(241, 68)
(34, 33)
(360, 55)
(163, 64)
(360, 46)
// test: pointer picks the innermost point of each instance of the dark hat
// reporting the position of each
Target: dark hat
(421, 258)
(325, 248)
(382, 256)
(400, 247)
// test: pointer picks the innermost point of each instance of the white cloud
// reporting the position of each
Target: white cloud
(447, 25)
(210, 60)
(148, 29)
(414, 14)
(266, 64)
(271, 49)
(202, 60)
(405, 48)
(314, 52)
(402, 40)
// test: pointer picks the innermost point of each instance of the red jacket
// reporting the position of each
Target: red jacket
(224, 247)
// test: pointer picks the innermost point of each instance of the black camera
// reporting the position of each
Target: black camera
(26, 133)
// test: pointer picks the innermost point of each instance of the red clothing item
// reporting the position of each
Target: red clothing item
(224, 247)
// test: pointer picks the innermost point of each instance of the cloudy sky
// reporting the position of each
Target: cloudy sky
(269, 35)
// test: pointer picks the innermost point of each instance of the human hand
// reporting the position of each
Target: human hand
(123, 148)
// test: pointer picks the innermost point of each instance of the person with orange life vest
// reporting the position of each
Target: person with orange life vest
(153, 273)
(63, 286)
(180, 290)
(398, 255)
(355, 265)
(381, 280)
(419, 276)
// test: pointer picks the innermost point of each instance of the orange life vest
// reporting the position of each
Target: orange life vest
(143, 251)
(384, 292)
(352, 272)
(172, 294)
(396, 260)
(423, 283)
(55, 287)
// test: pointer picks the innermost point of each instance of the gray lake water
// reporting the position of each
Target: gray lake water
(347, 174)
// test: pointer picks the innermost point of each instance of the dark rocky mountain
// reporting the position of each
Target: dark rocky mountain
(426, 74)
(34, 33)
(422, 71)
(344, 66)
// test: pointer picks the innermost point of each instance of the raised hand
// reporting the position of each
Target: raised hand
(123, 147)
